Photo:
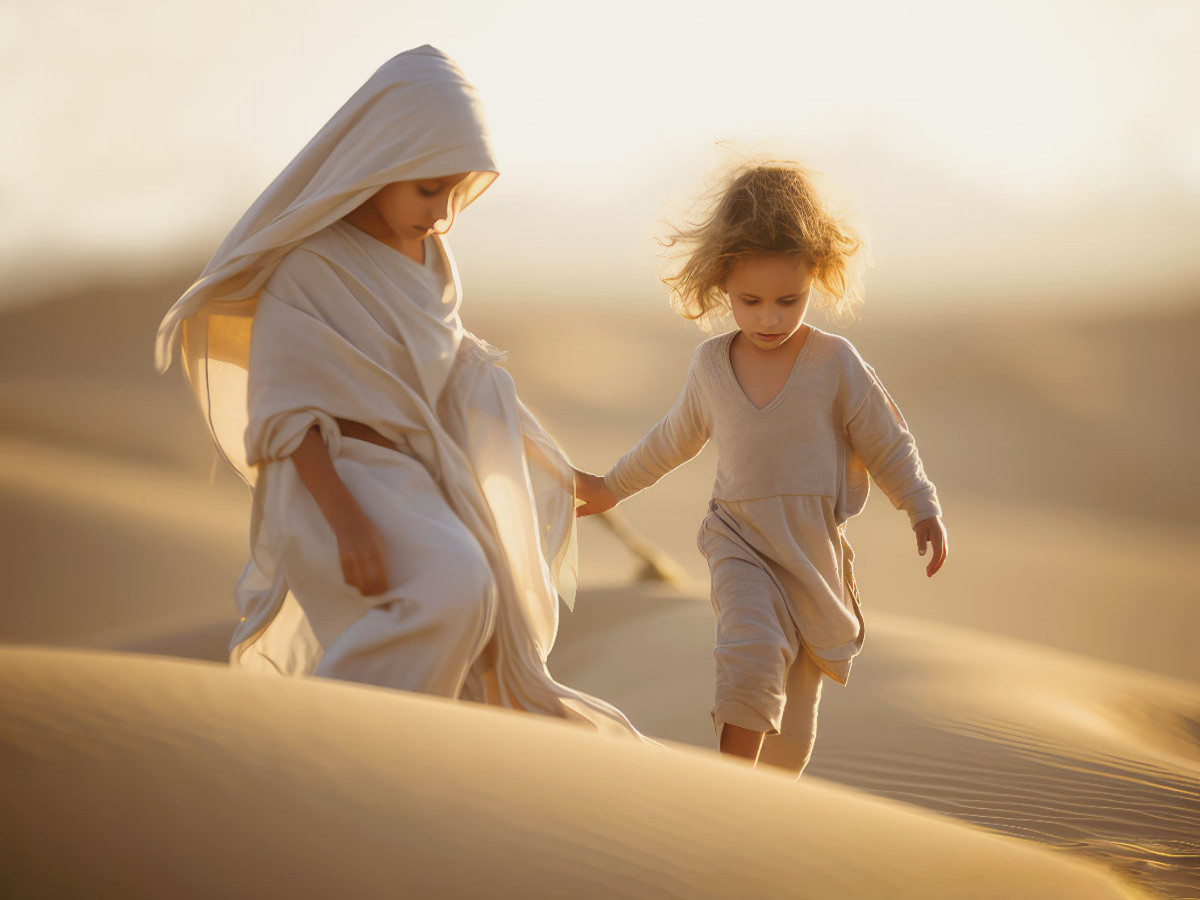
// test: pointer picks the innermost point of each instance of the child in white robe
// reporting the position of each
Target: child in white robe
(799, 419)
(412, 524)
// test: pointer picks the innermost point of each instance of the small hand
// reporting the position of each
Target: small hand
(594, 493)
(363, 555)
(932, 531)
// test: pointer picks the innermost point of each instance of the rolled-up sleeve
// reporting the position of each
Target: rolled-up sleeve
(279, 436)
(280, 408)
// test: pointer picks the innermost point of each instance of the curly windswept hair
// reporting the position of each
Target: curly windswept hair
(762, 208)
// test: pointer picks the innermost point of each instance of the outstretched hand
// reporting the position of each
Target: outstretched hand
(594, 493)
(932, 531)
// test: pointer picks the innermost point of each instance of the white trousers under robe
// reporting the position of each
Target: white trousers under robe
(436, 616)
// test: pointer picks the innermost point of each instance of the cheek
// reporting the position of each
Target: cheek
(396, 203)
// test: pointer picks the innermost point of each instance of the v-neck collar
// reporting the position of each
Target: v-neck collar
(728, 366)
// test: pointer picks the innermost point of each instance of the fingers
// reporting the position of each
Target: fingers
(353, 574)
(375, 576)
(367, 573)
(929, 531)
(939, 553)
(374, 583)
(593, 507)
(592, 495)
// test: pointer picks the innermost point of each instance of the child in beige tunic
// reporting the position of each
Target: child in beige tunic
(799, 419)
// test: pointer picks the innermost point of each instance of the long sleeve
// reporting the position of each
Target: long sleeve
(677, 437)
(880, 437)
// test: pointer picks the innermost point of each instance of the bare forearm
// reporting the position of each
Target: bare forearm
(361, 546)
(318, 475)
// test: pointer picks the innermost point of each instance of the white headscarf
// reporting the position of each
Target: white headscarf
(416, 117)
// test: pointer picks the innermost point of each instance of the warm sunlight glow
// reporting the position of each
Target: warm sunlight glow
(997, 142)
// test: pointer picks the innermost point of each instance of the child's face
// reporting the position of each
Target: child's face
(415, 209)
(769, 297)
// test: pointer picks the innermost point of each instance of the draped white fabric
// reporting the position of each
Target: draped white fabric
(416, 117)
(300, 319)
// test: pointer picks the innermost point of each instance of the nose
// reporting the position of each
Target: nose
(440, 208)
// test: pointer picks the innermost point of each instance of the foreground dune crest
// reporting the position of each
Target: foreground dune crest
(138, 776)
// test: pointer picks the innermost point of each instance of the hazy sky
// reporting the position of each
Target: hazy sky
(983, 146)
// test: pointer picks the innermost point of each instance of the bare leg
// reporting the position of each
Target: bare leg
(791, 749)
(741, 742)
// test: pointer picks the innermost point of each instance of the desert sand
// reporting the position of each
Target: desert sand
(149, 777)
(1027, 724)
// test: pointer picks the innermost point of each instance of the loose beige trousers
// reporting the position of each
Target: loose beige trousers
(765, 679)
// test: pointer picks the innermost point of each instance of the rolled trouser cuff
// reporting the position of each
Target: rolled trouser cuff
(752, 717)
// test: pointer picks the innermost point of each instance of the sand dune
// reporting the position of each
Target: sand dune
(98, 548)
(1044, 687)
(189, 780)
(1097, 759)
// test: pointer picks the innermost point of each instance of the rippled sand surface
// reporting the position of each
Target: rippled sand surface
(1031, 715)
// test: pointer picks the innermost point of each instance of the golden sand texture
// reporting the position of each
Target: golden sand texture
(1095, 759)
(988, 694)
(131, 776)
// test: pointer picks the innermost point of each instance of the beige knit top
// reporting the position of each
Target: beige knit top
(830, 424)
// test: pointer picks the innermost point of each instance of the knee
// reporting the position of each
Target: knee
(468, 585)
